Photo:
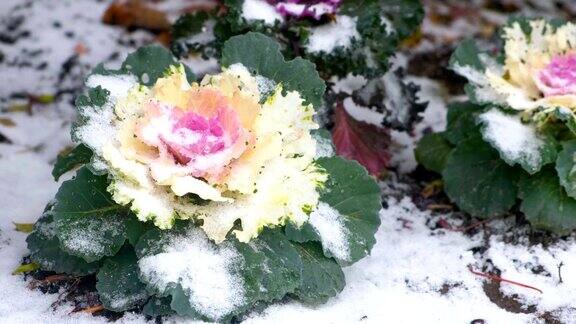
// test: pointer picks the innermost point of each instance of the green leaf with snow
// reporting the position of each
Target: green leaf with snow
(478, 181)
(79, 155)
(461, 120)
(400, 17)
(324, 145)
(381, 26)
(468, 61)
(262, 56)
(118, 284)
(183, 264)
(566, 167)
(87, 222)
(566, 116)
(433, 151)
(45, 250)
(189, 24)
(149, 63)
(347, 216)
(545, 202)
(322, 277)
(467, 54)
(158, 306)
(517, 143)
(282, 260)
(304, 233)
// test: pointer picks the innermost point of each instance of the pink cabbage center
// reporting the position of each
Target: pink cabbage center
(204, 144)
(559, 76)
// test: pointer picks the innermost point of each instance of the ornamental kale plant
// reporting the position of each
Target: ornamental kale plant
(206, 198)
(341, 37)
(515, 139)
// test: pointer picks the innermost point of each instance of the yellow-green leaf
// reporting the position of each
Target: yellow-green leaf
(24, 227)
(25, 268)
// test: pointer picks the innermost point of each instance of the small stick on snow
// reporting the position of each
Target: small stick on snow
(90, 310)
(49, 279)
(497, 278)
(439, 206)
(560, 271)
(444, 224)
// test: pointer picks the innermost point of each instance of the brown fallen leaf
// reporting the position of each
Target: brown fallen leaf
(90, 310)
(135, 14)
(7, 122)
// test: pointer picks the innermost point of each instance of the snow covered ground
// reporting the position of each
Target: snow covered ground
(417, 273)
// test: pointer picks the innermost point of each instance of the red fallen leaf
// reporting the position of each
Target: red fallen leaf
(356, 140)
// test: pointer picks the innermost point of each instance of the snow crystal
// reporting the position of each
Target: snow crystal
(515, 140)
(99, 128)
(265, 85)
(324, 147)
(89, 238)
(260, 10)
(117, 85)
(326, 37)
(204, 270)
(328, 223)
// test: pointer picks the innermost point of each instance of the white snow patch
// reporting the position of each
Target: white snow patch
(117, 85)
(326, 37)
(324, 147)
(518, 262)
(328, 223)
(362, 113)
(260, 10)
(407, 268)
(201, 66)
(348, 84)
(99, 128)
(483, 91)
(204, 270)
(265, 85)
(89, 238)
(206, 34)
(515, 140)
(395, 102)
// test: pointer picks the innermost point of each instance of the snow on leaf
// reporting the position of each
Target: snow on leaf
(516, 142)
